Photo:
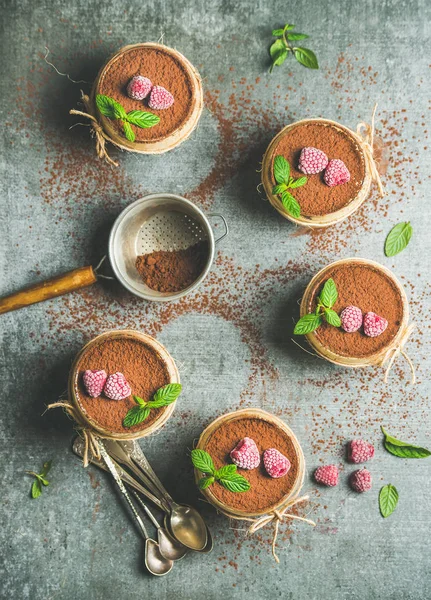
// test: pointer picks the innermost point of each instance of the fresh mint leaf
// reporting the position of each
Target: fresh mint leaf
(307, 324)
(225, 472)
(46, 468)
(295, 37)
(296, 183)
(109, 107)
(403, 449)
(277, 32)
(279, 188)
(202, 461)
(139, 401)
(331, 317)
(142, 119)
(235, 483)
(128, 132)
(329, 294)
(36, 489)
(281, 169)
(278, 53)
(165, 395)
(306, 57)
(388, 500)
(398, 238)
(291, 204)
(205, 482)
(136, 415)
(287, 27)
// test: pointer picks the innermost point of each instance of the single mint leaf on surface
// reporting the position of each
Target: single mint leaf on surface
(142, 119)
(307, 324)
(165, 395)
(279, 188)
(298, 182)
(235, 483)
(388, 500)
(403, 449)
(329, 294)
(36, 489)
(291, 204)
(225, 472)
(202, 461)
(332, 318)
(205, 482)
(46, 468)
(276, 32)
(306, 57)
(398, 238)
(281, 169)
(128, 132)
(136, 415)
(109, 107)
(295, 37)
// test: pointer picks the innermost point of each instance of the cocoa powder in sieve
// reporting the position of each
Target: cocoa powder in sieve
(173, 271)
(162, 68)
(144, 369)
(315, 197)
(265, 491)
(369, 289)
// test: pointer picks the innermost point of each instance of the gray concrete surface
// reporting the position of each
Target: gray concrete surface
(232, 339)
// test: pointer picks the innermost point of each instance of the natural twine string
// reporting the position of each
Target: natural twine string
(366, 132)
(396, 351)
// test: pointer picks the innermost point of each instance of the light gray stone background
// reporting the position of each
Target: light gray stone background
(232, 338)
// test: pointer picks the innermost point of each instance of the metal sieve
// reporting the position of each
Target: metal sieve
(159, 222)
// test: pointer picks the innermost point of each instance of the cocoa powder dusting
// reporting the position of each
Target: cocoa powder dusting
(264, 491)
(173, 271)
(162, 69)
(317, 198)
(369, 289)
(142, 366)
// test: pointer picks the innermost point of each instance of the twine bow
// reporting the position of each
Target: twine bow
(366, 132)
(99, 134)
(90, 440)
(277, 517)
(392, 354)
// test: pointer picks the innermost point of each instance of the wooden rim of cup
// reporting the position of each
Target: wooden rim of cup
(177, 136)
(348, 361)
(252, 413)
(317, 220)
(174, 377)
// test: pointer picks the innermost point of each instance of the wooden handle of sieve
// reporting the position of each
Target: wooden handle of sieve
(63, 284)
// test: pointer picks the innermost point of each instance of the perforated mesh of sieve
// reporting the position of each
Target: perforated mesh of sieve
(169, 230)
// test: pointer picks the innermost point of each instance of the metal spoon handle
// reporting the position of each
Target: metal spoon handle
(139, 457)
(147, 510)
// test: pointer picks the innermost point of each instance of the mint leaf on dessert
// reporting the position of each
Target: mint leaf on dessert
(128, 132)
(329, 293)
(40, 479)
(136, 415)
(279, 188)
(142, 119)
(235, 483)
(284, 183)
(165, 395)
(205, 482)
(388, 500)
(307, 324)
(281, 169)
(282, 46)
(403, 449)
(225, 471)
(306, 57)
(332, 317)
(291, 204)
(202, 461)
(109, 107)
(296, 183)
(398, 238)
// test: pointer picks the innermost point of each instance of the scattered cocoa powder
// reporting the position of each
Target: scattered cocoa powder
(173, 271)
(264, 491)
(142, 366)
(162, 69)
(316, 198)
(369, 289)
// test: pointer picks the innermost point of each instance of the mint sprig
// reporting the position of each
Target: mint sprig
(286, 182)
(282, 46)
(109, 107)
(324, 311)
(163, 397)
(40, 479)
(226, 476)
(403, 449)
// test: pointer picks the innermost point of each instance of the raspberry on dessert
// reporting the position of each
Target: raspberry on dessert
(361, 480)
(359, 451)
(276, 464)
(116, 387)
(246, 455)
(139, 87)
(94, 382)
(336, 173)
(374, 325)
(312, 161)
(327, 475)
(160, 98)
(351, 319)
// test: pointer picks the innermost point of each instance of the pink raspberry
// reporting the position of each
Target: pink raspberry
(276, 464)
(246, 455)
(116, 387)
(359, 451)
(139, 87)
(160, 98)
(374, 325)
(94, 382)
(361, 480)
(336, 173)
(327, 475)
(312, 161)
(351, 318)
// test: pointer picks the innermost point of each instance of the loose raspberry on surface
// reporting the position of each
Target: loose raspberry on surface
(116, 387)
(336, 173)
(312, 161)
(276, 464)
(246, 455)
(374, 325)
(359, 451)
(160, 98)
(139, 87)
(327, 475)
(361, 480)
(94, 382)
(351, 319)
